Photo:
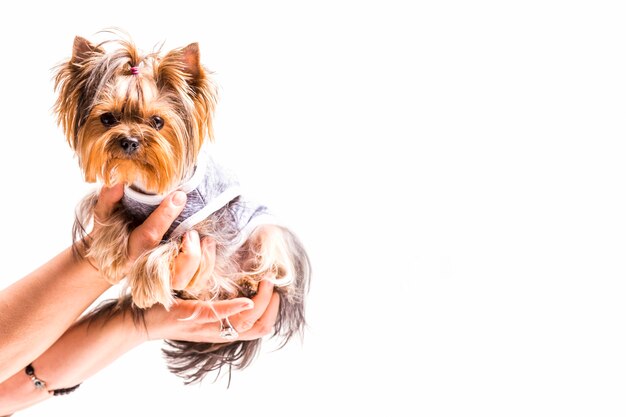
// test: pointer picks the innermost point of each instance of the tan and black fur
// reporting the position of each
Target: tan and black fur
(162, 106)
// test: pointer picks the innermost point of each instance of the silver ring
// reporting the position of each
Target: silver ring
(227, 331)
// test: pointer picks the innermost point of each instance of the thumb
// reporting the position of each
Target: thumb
(151, 231)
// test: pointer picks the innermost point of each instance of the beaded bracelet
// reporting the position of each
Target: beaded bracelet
(41, 384)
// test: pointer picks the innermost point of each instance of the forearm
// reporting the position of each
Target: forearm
(37, 309)
(82, 351)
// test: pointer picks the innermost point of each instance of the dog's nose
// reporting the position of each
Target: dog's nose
(129, 145)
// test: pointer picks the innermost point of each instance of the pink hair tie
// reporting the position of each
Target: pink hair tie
(134, 70)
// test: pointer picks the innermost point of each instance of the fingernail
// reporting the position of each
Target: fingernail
(192, 235)
(248, 305)
(179, 198)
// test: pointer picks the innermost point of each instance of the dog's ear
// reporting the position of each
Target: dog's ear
(190, 58)
(83, 49)
(183, 63)
(74, 95)
(180, 70)
(69, 83)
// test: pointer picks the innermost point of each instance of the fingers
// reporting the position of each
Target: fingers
(194, 264)
(150, 233)
(211, 312)
(209, 253)
(246, 320)
(265, 324)
(207, 266)
(199, 321)
(187, 262)
(106, 201)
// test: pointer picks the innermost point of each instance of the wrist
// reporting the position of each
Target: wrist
(155, 323)
(135, 327)
(91, 273)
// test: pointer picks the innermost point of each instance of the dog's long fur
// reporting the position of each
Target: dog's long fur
(96, 86)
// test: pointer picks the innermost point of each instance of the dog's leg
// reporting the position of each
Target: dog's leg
(108, 248)
(150, 275)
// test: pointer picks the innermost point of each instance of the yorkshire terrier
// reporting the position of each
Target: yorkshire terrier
(145, 120)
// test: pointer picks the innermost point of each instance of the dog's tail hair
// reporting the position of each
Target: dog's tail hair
(192, 361)
(291, 314)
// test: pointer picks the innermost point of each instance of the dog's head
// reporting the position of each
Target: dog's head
(133, 118)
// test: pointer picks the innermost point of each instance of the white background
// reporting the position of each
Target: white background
(456, 170)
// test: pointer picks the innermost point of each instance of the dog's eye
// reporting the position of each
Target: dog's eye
(157, 122)
(108, 119)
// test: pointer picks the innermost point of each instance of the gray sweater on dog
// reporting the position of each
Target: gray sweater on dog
(210, 188)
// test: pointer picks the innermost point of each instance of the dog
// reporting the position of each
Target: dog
(146, 120)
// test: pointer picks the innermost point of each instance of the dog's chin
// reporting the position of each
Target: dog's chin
(139, 185)
(150, 170)
(129, 172)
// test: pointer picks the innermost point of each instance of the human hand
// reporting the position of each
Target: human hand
(150, 233)
(192, 268)
(194, 263)
(191, 320)
(199, 321)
